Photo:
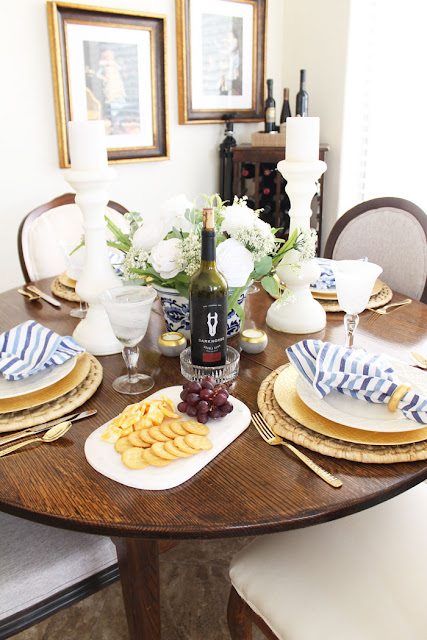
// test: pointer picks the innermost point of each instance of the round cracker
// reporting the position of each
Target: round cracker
(159, 450)
(146, 437)
(167, 431)
(180, 443)
(122, 444)
(197, 428)
(198, 442)
(154, 460)
(178, 428)
(136, 441)
(157, 434)
(133, 458)
(171, 448)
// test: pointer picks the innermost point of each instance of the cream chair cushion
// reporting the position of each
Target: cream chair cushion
(38, 561)
(362, 577)
(392, 238)
(62, 224)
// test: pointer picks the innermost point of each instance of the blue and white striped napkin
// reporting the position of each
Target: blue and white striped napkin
(326, 281)
(355, 373)
(31, 347)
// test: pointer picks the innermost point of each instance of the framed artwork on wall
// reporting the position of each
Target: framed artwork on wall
(110, 65)
(221, 59)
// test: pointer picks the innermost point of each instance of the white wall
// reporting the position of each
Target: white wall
(300, 34)
(315, 37)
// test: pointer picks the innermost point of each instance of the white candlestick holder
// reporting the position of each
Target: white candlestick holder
(297, 311)
(94, 332)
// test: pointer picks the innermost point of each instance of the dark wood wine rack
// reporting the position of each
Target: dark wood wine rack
(252, 187)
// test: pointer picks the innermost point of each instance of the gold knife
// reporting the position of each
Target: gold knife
(46, 425)
(44, 296)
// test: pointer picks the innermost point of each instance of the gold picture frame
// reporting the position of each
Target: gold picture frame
(103, 60)
(221, 50)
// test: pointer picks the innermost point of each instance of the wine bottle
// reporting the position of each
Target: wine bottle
(270, 109)
(248, 170)
(302, 97)
(286, 111)
(208, 294)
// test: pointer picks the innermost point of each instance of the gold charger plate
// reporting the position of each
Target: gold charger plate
(332, 295)
(72, 380)
(67, 281)
(287, 397)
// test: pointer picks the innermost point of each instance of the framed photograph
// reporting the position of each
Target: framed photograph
(221, 59)
(110, 65)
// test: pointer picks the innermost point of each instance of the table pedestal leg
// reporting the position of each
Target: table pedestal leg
(139, 573)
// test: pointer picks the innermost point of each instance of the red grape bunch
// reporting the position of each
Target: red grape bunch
(203, 400)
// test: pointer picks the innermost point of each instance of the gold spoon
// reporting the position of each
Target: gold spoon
(27, 294)
(52, 434)
(419, 360)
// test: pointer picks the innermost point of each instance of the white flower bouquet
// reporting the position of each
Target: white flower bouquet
(167, 249)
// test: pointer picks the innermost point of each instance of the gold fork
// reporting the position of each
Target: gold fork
(383, 310)
(267, 434)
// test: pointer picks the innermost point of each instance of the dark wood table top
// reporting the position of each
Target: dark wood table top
(250, 488)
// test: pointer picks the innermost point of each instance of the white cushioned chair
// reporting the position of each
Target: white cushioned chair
(362, 577)
(44, 229)
(43, 569)
(391, 232)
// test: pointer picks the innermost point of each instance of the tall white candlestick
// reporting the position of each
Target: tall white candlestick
(302, 139)
(88, 145)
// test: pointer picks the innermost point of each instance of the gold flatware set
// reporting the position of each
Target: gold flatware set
(54, 429)
(271, 438)
(382, 311)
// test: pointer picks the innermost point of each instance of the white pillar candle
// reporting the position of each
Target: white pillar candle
(88, 145)
(302, 139)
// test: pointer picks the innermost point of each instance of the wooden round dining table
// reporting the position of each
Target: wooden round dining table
(249, 489)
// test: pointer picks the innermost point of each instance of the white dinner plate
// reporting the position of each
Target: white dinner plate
(360, 414)
(102, 456)
(36, 382)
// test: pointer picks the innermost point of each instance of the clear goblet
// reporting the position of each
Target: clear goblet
(75, 262)
(128, 309)
(354, 281)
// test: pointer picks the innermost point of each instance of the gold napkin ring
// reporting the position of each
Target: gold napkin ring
(397, 396)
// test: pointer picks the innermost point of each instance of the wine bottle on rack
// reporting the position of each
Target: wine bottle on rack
(208, 294)
(267, 169)
(248, 170)
(270, 109)
(268, 184)
(302, 97)
(286, 111)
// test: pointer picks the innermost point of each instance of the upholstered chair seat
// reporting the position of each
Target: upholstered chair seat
(361, 577)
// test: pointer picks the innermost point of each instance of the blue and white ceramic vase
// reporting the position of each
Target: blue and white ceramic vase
(176, 312)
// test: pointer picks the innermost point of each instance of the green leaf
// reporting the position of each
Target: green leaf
(271, 285)
(121, 237)
(263, 267)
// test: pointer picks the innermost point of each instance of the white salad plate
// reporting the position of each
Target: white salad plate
(37, 381)
(102, 456)
(361, 414)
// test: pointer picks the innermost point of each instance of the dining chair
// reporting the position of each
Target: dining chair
(44, 569)
(42, 231)
(358, 577)
(391, 232)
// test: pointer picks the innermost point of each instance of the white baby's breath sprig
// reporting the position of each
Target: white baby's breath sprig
(135, 259)
(188, 258)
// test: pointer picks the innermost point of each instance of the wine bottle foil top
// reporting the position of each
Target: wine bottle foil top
(208, 218)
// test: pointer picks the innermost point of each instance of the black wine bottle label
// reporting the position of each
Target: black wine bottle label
(208, 319)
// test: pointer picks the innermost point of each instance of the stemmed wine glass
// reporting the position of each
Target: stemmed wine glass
(354, 281)
(128, 309)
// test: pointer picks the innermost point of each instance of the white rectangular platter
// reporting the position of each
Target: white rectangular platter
(102, 456)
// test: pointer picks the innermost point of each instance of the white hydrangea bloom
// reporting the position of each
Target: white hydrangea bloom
(188, 257)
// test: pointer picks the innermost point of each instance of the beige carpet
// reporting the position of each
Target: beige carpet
(194, 594)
